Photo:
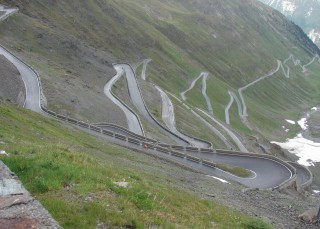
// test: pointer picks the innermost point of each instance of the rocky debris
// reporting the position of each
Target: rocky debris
(17, 207)
(311, 215)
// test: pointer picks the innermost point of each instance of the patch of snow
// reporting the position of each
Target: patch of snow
(291, 122)
(314, 108)
(316, 191)
(303, 123)
(219, 179)
(307, 151)
(287, 130)
(314, 35)
(288, 7)
(283, 127)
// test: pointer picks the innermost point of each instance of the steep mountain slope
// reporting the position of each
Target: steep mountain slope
(303, 13)
(73, 43)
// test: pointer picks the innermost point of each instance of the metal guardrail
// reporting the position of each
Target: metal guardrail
(123, 129)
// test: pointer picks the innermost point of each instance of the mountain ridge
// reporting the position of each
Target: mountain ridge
(303, 13)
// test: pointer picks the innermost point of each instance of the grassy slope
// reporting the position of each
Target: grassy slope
(72, 174)
(235, 41)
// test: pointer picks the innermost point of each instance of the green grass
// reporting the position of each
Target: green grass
(62, 167)
(238, 171)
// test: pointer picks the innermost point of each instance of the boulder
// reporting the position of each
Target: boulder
(310, 215)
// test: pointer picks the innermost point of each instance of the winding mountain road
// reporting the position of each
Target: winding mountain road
(266, 173)
(233, 97)
(144, 68)
(132, 119)
(138, 102)
(226, 111)
(280, 65)
(204, 76)
(240, 90)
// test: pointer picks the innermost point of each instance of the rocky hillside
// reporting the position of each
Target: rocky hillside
(303, 13)
(11, 87)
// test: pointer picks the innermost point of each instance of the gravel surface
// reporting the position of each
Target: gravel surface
(11, 87)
